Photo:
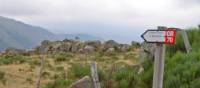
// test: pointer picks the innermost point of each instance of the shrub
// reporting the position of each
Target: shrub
(13, 59)
(2, 77)
(63, 57)
(79, 71)
(29, 80)
(58, 83)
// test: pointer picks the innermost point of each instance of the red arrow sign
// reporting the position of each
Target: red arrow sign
(160, 36)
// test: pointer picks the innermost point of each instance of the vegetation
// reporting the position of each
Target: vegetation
(62, 69)
(60, 57)
(13, 59)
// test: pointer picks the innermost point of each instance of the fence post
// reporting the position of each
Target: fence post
(42, 51)
(40, 72)
(186, 41)
(94, 74)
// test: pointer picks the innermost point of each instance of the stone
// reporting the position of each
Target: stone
(75, 47)
(14, 51)
(65, 47)
(125, 47)
(110, 44)
(88, 49)
(95, 43)
(110, 50)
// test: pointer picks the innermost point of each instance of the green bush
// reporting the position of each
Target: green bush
(182, 70)
(63, 57)
(58, 83)
(79, 71)
(13, 59)
(2, 77)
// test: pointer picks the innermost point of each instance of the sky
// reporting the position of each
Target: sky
(121, 20)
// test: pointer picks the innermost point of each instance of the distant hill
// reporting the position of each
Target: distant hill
(20, 35)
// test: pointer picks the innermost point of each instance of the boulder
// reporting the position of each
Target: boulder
(110, 50)
(110, 44)
(65, 47)
(125, 47)
(14, 51)
(95, 43)
(75, 47)
(88, 49)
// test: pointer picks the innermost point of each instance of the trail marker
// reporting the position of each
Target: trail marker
(167, 36)
(160, 37)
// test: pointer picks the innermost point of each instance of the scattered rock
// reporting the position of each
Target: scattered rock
(88, 49)
(125, 47)
(110, 50)
(110, 44)
(95, 43)
(13, 51)
(76, 47)
(65, 47)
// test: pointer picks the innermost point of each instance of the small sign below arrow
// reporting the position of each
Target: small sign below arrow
(160, 36)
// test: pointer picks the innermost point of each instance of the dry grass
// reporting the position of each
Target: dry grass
(25, 75)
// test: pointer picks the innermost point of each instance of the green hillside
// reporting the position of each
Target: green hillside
(17, 34)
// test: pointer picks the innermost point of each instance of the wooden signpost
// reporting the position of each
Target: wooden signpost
(161, 36)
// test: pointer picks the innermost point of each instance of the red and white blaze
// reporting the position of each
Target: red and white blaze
(170, 36)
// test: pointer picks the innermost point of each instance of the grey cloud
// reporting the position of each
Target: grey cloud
(19, 7)
(188, 3)
(103, 17)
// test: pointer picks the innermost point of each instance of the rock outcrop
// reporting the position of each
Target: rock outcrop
(74, 46)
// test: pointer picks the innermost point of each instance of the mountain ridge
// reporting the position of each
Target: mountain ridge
(20, 35)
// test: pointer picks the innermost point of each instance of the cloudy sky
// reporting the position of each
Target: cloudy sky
(122, 20)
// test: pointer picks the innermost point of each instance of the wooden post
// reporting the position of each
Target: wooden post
(85, 82)
(42, 50)
(186, 41)
(94, 74)
(40, 72)
(159, 64)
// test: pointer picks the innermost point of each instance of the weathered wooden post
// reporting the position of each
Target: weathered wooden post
(85, 82)
(159, 63)
(41, 52)
(186, 41)
(94, 75)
